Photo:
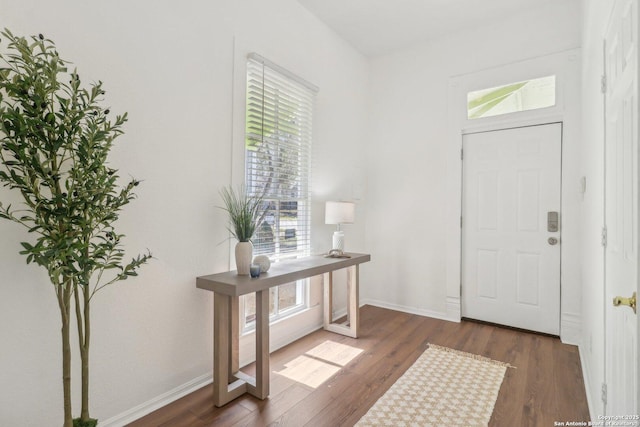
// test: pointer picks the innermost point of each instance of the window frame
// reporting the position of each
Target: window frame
(508, 91)
(255, 135)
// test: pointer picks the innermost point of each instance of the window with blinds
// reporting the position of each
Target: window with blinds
(279, 114)
(278, 149)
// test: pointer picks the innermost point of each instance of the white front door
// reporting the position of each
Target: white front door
(621, 213)
(511, 198)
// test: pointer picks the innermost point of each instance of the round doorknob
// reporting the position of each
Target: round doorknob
(552, 241)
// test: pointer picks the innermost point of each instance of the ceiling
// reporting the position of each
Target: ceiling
(377, 27)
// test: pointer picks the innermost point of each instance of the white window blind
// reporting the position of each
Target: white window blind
(278, 150)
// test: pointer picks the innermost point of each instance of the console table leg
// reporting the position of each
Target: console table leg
(262, 344)
(234, 338)
(353, 291)
(327, 283)
(221, 348)
(350, 327)
(225, 350)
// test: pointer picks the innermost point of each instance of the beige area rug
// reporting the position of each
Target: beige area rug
(444, 387)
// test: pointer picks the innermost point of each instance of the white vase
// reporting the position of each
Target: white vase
(244, 255)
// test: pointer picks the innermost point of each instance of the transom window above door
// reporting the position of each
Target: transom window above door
(512, 98)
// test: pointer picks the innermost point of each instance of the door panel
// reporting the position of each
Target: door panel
(621, 207)
(510, 271)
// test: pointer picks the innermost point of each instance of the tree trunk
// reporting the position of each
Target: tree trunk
(84, 354)
(66, 367)
(82, 320)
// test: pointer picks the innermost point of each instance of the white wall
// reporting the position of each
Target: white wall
(409, 225)
(595, 16)
(171, 66)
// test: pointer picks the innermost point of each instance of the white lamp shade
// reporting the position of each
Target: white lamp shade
(339, 212)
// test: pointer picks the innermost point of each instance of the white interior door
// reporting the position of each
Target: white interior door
(621, 213)
(511, 188)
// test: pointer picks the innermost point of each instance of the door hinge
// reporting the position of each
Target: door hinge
(461, 222)
(603, 83)
(604, 236)
(604, 393)
(461, 154)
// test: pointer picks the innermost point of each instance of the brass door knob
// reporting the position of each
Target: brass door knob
(631, 302)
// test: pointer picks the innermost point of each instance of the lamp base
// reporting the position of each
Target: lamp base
(338, 240)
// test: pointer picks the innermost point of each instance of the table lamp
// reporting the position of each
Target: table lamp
(339, 213)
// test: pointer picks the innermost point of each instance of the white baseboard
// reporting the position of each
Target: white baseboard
(587, 382)
(342, 312)
(570, 328)
(454, 308)
(413, 310)
(157, 402)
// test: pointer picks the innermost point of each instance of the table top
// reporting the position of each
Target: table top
(230, 283)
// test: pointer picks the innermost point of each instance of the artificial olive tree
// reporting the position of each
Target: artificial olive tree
(55, 139)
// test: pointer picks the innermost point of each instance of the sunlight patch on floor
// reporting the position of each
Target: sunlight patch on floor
(320, 363)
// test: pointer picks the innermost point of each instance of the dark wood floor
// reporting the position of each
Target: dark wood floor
(545, 386)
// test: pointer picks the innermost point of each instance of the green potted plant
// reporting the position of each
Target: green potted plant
(55, 138)
(245, 215)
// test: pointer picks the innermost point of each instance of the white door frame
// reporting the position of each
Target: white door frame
(566, 67)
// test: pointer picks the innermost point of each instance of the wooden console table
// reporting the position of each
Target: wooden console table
(229, 383)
